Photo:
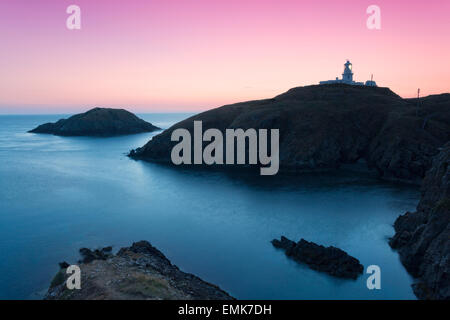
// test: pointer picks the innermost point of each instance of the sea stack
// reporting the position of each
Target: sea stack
(98, 122)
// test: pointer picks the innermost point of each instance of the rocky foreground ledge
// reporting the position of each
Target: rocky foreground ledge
(423, 237)
(139, 272)
(331, 260)
(97, 122)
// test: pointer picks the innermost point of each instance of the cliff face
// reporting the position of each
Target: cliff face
(139, 272)
(422, 237)
(323, 127)
(97, 122)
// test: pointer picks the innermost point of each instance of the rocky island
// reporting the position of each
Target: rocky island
(98, 122)
(331, 260)
(139, 272)
(326, 126)
(423, 237)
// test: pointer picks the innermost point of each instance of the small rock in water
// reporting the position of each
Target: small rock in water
(331, 260)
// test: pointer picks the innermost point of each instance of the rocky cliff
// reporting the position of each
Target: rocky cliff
(97, 122)
(423, 237)
(139, 272)
(326, 126)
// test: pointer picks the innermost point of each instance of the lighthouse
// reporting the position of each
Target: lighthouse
(347, 76)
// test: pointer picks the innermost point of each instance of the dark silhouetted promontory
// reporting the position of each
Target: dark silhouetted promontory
(326, 126)
(98, 122)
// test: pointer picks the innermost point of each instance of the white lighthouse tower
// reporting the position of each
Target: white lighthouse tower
(347, 76)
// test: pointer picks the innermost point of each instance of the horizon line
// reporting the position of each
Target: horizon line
(170, 110)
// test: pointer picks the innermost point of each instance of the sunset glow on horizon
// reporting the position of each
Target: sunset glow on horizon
(186, 55)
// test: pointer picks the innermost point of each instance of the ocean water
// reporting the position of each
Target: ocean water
(58, 194)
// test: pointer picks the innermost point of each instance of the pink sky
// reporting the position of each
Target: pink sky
(185, 55)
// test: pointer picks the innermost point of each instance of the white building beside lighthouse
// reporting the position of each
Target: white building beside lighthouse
(347, 78)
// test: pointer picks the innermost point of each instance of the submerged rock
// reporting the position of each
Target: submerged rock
(97, 122)
(327, 126)
(422, 238)
(139, 272)
(331, 260)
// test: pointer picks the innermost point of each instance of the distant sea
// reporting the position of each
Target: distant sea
(58, 194)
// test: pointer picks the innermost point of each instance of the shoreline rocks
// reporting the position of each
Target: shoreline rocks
(101, 122)
(422, 238)
(331, 260)
(138, 272)
(97, 254)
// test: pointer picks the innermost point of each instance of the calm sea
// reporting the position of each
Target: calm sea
(58, 194)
